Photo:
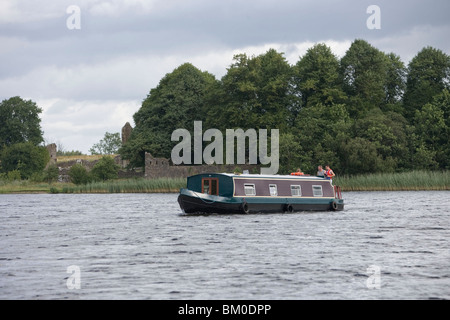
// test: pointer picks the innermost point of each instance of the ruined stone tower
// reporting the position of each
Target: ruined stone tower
(126, 132)
(52, 152)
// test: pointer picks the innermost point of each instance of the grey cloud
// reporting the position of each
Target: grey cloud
(40, 39)
(187, 25)
(125, 46)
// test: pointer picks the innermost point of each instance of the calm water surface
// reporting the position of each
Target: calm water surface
(140, 246)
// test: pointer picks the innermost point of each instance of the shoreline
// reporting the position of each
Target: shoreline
(344, 190)
(381, 182)
(175, 192)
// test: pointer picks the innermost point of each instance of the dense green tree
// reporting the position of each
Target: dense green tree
(430, 124)
(443, 102)
(110, 144)
(423, 158)
(24, 157)
(316, 77)
(79, 175)
(320, 131)
(51, 173)
(359, 156)
(177, 101)
(433, 129)
(19, 122)
(365, 113)
(14, 175)
(105, 169)
(428, 75)
(254, 94)
(363, 73)
(387, 133)
(292, 154)
(395, 83)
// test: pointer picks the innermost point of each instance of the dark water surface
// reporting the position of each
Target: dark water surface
(385, 245)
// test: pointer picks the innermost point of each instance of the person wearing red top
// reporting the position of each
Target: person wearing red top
(329, 173)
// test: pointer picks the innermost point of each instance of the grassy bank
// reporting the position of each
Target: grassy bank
(62, 159)
(129, 186)
(26, 186)
(114, 186)
(407, 181)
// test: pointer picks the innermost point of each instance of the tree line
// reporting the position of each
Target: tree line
(364, 113)
(23, 155)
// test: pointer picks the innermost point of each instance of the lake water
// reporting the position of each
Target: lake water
(385, 245)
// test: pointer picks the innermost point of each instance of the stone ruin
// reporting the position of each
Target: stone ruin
(154, 167)
(51, 148)
(126, 132)
(162, 168)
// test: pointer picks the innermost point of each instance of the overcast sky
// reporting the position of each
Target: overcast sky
(92, 79)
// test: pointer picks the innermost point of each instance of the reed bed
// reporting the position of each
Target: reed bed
(26, 186)
(406, 181)
(162, 185)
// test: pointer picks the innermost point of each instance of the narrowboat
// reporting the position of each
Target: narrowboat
(254, 193)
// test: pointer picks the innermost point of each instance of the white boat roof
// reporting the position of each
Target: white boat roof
(271, 176)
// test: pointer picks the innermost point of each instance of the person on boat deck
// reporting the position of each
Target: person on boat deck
(329, 173)
(320, 172)
(298, 173)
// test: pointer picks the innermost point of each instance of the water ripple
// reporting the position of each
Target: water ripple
(140, 246)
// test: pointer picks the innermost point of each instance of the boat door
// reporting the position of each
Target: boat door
(210, 186)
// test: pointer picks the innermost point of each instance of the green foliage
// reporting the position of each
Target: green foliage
(254, 94)
(79, 175)
(423, 158)
(320, 131)
(432, 127)
(413, 180)
(13, 175)
(364, 113)
(19, 122)
(363, 72)
(316, 76)
(51, 173)
(292, 155)
(105, 169)
(387, 133)
(37, 177)
(129, 186)
(110, 144)
(428, 76)
(178, 100)
(24, 157)
(395, 83)
(54, 190)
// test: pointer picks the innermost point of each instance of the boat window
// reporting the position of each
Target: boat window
(210, 186)
(296, 191)
(206, 186)
(249, 190)
(273, 190)
(317, 191)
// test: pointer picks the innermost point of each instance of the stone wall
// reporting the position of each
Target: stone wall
(126, 132)
(161, 168)
(154, 167)
(64, 168)
(51, 148)
(127, 129)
